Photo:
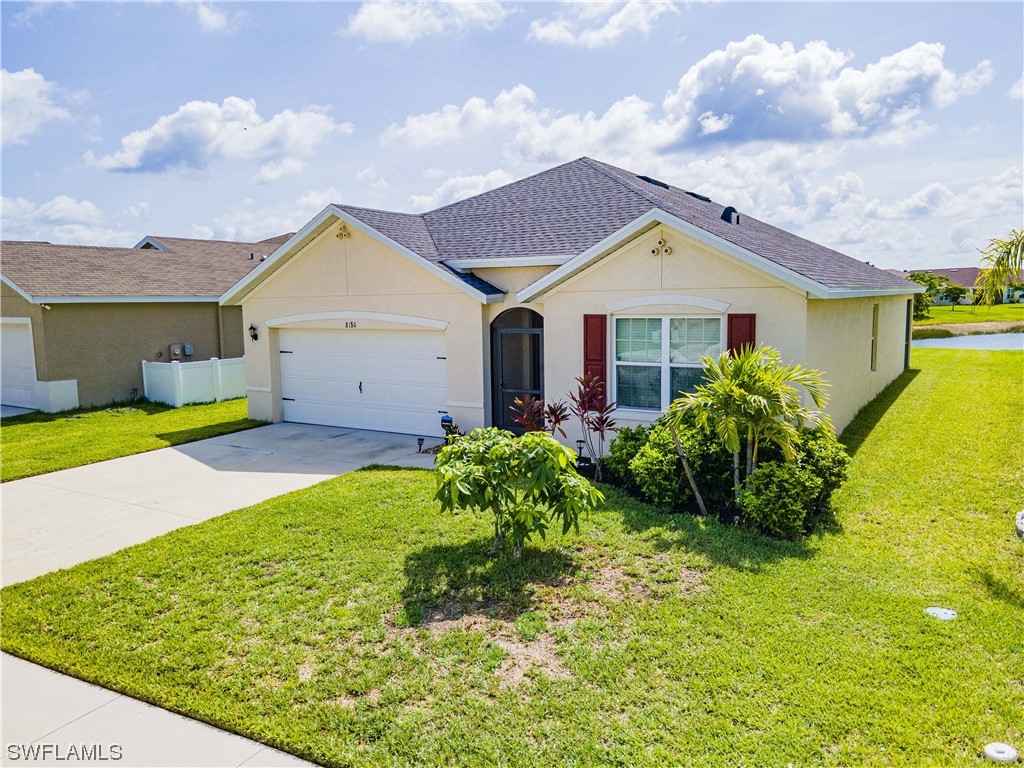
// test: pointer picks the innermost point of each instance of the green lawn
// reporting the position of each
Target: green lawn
(36, 443)
(972, 314)
(353, 624)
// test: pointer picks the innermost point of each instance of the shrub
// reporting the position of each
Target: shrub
(822, 455)
(657, 472)
(621, 450)
(777, 496)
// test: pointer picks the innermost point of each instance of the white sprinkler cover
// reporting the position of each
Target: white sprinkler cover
(998, 752)
(945, 614)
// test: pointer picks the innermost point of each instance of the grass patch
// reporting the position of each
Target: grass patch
(973, 314)
(932, 333)
(36, 443)
(353, 624)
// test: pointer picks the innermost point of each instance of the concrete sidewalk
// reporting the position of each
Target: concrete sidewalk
(64, 518)
(46, 710)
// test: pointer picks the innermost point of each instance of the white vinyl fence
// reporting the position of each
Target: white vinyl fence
(201, 382)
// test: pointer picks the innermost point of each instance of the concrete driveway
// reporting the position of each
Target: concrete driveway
(58, 520)
(64, 518)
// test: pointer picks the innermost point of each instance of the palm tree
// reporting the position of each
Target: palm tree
(750, 398)
(1002, 262)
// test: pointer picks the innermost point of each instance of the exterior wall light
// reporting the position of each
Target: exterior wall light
(253, 332)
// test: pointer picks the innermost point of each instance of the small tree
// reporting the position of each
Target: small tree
(527, 483)
(954, 294)
(923, 301)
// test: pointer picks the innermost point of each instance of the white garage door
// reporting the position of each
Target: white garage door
(17, 365)
(392, 381)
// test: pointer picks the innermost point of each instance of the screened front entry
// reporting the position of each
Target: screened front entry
(517, 362)
(656, 358)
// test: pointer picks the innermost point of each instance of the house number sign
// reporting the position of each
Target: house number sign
(350, 323)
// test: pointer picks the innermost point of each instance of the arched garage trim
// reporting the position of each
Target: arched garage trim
(384, 317)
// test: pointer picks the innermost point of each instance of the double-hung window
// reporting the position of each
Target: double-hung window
(656, 358)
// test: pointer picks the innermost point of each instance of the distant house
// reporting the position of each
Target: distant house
(78, 320)
(965, 276)
(390, 321)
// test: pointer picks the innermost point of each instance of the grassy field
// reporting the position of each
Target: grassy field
(971, 314)
(36, 443)
(353, 624)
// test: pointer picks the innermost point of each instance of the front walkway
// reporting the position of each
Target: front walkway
(64, 518)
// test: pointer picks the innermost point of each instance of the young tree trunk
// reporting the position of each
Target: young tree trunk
(499, 540)
(750, 451)
(736, 475)
(688, 470)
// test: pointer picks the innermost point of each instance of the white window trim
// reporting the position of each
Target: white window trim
(635, 413)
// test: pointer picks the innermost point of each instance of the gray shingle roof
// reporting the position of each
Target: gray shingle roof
(566, 210)
(200, 268)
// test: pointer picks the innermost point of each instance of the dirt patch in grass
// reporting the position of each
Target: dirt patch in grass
(557, 604)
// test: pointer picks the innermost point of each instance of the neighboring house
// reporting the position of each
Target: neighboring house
(388, 321)
(965, 276)
(77, 321)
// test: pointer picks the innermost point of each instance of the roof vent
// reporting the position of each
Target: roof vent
(655, 182)
(699, 197)
(731, 215)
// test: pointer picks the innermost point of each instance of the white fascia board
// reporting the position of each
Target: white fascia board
(148, 240)
(125, 299)
(17, 289)
(856, 293)
(656, 216)
(318, 224)
(467, 265)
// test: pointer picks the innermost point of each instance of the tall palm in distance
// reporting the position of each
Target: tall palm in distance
(1001, 264)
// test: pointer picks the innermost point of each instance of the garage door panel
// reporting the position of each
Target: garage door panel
(17, 365)
(403, 378)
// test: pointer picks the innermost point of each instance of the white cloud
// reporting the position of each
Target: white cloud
(598, 25)
(1016, 91)
(201, 132)
(214, 20)
(370, 176)
(137, 211)
(711, 123)
(391, 21)
(780, 92)
(60, 220)
(538, 134)
(249, 223)
(751, 91)
(27, 101)
(459, 188)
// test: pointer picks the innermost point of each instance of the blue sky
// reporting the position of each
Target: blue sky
(889, 131)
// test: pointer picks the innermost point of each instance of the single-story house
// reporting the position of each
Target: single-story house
(388, 321)
(77, 321)
(966, 276)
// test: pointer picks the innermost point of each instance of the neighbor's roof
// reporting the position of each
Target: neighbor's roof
(965, 276)
(182, 268)
(568, 209)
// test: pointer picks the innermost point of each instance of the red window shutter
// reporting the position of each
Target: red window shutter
(595, 347)
(741, 331)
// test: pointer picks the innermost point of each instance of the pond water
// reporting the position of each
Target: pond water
(1014, 341)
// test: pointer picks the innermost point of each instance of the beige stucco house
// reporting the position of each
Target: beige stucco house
(78, 321)
(388, 321)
